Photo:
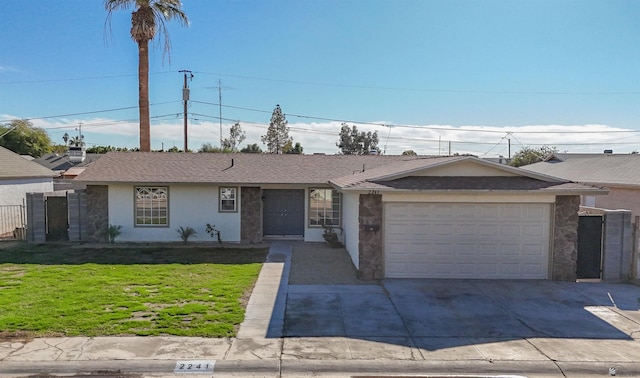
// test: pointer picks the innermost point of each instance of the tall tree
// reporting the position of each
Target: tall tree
(21, 137)
(236, 136)
(530, 155)
(147, 19)
(354, 142)
(277, 135)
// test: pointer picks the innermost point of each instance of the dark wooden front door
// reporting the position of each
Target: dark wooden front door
(283, 212)
(57, 219)
(590, 246)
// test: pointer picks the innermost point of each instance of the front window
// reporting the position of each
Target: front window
(228, 200)
(324, 207)
(152, 205)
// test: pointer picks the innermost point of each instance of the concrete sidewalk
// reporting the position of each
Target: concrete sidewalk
(267, 347)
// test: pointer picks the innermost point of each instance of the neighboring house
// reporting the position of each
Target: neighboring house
(398, 216)
(619, 173)
(68, 166)
(19, 176)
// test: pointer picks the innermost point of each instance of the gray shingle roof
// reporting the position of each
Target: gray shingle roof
(600, 169)
(162, 167)
(61, 162)
(14, 166)
(344, 171)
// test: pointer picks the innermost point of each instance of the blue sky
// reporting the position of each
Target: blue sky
(474, 73)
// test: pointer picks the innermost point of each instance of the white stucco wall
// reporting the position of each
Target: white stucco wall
(350, 210)
(312, 234)
(189, 206)
(13, 192)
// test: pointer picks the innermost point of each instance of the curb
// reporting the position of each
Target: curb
(347, 368)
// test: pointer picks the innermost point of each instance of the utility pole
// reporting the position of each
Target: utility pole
(185, 99)
(509, 140)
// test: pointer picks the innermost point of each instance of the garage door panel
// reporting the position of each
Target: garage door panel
(467, 240)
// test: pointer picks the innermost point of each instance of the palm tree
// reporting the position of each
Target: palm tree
(147, 19)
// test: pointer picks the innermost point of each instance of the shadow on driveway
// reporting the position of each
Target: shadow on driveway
(435, 314)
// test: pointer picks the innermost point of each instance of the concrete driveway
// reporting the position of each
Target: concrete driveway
(458, 319)
(460, 309)
(434, 314)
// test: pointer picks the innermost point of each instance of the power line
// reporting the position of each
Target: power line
(433, 90)
(437, 128)
(85, 113)
(77, 78)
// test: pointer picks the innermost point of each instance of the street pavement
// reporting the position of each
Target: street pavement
(418, 328)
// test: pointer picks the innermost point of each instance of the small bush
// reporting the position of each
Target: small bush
(331, 237)
(213, 232)
(186, 233)
(112, 232)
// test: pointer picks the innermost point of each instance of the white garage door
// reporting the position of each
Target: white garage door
(466, 240)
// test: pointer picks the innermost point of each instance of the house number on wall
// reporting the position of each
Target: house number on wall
(194, 366)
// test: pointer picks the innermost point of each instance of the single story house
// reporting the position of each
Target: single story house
(398, 216)
(19, 176)
(617, 172)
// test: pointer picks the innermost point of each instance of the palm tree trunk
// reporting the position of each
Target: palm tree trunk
(143, 95)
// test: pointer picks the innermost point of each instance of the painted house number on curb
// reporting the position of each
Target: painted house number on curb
(194, 367)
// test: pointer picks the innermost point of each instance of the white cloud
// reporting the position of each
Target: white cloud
(4, 68)
(321, 137)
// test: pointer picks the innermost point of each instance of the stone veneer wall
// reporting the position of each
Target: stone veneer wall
(97, 213)
(370, 249)
(565, 238)
(250, 215)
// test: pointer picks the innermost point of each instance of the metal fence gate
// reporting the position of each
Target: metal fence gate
(13, 222)
(590, 246)
(57, 218)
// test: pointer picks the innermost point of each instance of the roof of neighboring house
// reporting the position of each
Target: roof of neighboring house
(164, 167)
(350, 172)
(61, 162)
(14, 166)
(599, 169)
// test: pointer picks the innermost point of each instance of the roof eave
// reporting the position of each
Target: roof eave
(564, 192)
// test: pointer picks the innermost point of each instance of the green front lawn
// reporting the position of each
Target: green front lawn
(48, 290)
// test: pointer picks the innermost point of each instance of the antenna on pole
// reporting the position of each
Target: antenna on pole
(185, 99)
(220, 88)
(220, 108)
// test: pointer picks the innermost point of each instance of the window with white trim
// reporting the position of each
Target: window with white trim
(324, 207)
(228, 200)
(152, 206)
